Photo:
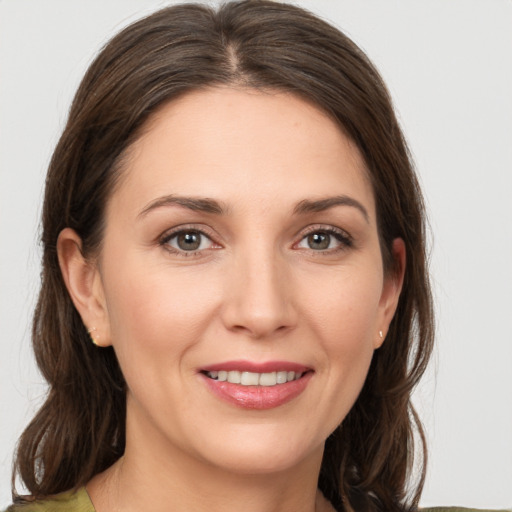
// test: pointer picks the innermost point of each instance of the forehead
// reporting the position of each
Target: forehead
(241, 143)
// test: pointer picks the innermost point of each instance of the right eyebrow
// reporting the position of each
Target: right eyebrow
(199, 204)
(320, 205)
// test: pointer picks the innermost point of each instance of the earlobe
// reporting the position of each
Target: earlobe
(84, 285)
(391, 290)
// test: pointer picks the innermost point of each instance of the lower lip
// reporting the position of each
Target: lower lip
(258, 397)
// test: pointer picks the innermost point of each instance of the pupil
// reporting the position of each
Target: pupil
(318, 241)
(189, 241)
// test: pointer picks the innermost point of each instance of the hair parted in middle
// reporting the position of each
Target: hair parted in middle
(268, 46)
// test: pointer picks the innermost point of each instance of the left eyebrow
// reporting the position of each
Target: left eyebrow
(320, 205)
(199, 204)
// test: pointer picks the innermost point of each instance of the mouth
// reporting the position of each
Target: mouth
(267, 379)
(257, 386)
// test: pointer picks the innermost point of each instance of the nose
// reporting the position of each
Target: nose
(259, 296)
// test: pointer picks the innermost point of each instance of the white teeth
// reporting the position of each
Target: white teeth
(282, 377)
(254, 379)
(234, 377)
(250, 379)
(268, 379)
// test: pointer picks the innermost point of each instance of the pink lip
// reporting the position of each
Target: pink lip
(250, 366)
(257, 397)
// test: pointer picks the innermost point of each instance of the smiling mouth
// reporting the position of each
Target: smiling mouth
(254, 379)
(260, 386)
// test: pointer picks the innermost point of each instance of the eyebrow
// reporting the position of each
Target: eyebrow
(320, 205)
(198, 204)
(207, 205)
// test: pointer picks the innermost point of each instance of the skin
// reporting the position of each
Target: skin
(257, 289)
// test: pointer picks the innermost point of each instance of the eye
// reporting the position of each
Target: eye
(325, 240)
(189, 240)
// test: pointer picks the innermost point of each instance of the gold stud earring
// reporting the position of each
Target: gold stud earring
(93, 339)
(381, 335)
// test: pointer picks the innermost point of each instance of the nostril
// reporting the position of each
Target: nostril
(259, 331)
(258, 306)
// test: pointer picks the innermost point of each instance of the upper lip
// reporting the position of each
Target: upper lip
(256, 367)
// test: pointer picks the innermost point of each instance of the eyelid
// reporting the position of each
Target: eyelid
(346, 240)
(164, 238)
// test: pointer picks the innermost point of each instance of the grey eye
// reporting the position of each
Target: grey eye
(318, 241)
(188, 241)
(324, 240)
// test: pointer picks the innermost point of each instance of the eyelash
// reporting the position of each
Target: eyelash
(344, 239)
(168, 236)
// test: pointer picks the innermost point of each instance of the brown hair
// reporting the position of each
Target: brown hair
(79, 431)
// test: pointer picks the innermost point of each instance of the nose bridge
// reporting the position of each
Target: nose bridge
(259, 291)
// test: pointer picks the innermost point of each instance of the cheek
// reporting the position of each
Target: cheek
(156, 313)
(344, 319)
(345, 309)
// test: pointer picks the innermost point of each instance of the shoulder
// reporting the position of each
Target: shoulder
(459, 509)
(70, 501)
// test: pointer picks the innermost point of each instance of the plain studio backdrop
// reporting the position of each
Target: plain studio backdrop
(448, 65)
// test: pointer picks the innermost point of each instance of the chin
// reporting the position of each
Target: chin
(261, 450)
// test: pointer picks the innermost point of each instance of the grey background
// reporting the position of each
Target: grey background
(448, 65)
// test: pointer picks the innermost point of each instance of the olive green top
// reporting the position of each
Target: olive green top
(79, 501)
(70, 501)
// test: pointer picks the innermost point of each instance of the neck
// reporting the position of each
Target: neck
(158, 476)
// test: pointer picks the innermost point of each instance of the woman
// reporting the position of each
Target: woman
(235, 304)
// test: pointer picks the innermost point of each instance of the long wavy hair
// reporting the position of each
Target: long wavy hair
(80, 429)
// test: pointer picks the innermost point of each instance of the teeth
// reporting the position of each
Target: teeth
(282, 377)
(254, 379)
(234, 377)
(250, 379)
(268, 379)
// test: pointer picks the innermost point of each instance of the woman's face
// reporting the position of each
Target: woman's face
(242, 244)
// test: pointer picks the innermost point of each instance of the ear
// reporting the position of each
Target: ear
(84, 285)
(391, 290)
